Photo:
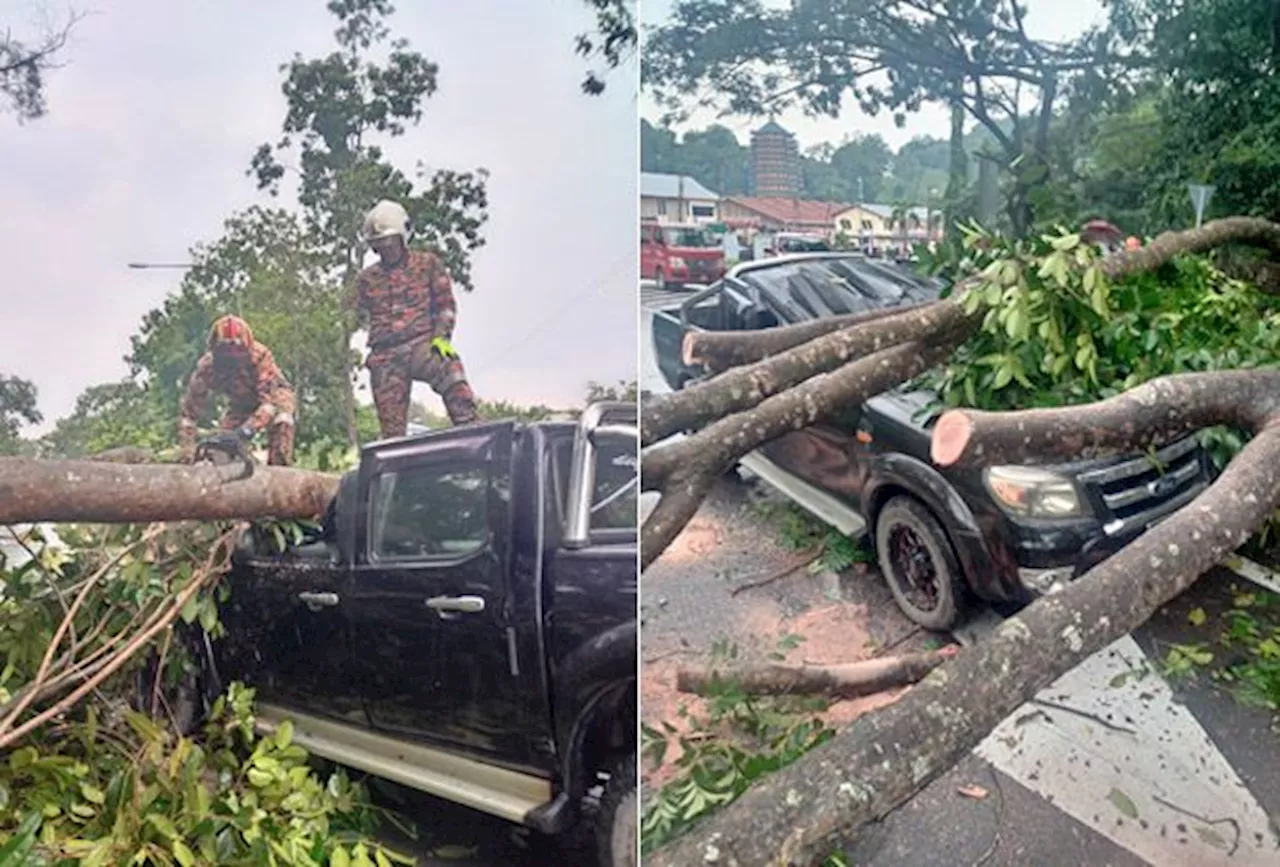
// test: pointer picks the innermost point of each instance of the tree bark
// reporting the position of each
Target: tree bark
(845, 680)
(1150, 414)
(685, 470)
(718, 351)
(742, 388)
(799, 815)
(35, 490)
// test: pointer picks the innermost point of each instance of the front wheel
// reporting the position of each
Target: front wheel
(617, 818)
(919, 564)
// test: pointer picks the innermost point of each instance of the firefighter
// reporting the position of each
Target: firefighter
(406, 300)
(258, 395)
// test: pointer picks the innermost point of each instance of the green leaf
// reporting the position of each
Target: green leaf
(284, 734)
(190, 610)
(15, 852)
(1003, 377)
(163, 824)
(339, 858)
(1123, 803)
(1196, 617)
(184, 855)
(208, 614)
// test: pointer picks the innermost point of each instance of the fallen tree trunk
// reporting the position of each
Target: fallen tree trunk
(845, 680)
(685, 470)
(733, 425)
(742, 388)
(717, 351)
(34, 490)
(798, 815)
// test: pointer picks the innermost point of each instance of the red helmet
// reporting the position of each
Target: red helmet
(230, 334)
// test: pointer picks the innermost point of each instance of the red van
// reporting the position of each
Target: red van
(675, 255)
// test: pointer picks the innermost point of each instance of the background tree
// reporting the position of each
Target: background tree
(110, 415)
(268, 268)
(337, 106)
(883, 55)
(23, 64)
(17, 408)
(612, 42)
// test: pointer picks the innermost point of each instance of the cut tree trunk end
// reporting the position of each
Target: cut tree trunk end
(844, 680)
(799, 815)
(34, 490)
(1150, 414)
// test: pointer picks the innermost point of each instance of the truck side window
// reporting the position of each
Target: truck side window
(615, 502)
(429, 512)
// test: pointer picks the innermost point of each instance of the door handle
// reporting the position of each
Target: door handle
(446, 605)
(315, 601)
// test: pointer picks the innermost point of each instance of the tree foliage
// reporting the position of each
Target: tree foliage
(108, 781)
(24, 64)
(613, 40)
(892, 55)
(17, 408)
(268, 268)
(337, 105)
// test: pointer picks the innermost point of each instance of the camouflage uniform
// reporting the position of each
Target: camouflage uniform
(258, 396)
(408, 306)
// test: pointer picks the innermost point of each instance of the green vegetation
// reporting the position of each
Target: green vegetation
(737, 740)
(109, 779)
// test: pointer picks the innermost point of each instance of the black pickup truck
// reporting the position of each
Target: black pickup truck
(1001, 533)
(464, 624)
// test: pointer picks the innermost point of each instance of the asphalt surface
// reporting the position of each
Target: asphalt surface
(1198, 774)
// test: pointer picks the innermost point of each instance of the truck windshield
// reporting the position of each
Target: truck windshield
(687, 237)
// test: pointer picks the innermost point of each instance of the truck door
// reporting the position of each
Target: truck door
(287, 633)
(430, 629)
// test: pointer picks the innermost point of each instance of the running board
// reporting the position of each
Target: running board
(508, 794)
(818, 502)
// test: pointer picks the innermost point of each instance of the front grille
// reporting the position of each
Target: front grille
(1138, 491)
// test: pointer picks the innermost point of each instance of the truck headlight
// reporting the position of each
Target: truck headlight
(1033, 492)
(676, 262)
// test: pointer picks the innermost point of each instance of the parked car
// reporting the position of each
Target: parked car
(673, 255)
(796, 242)
(1003, 534)
(464, 623)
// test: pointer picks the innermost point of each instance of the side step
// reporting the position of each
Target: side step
(487, 788)
(818, 502)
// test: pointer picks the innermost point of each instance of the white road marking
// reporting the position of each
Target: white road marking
(1163, 765)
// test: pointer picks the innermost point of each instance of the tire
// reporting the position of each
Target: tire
(618, 818)
(909, 539)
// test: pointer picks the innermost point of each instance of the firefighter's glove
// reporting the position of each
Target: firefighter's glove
(444, 348)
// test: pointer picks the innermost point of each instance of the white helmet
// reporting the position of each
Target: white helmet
(385, 219)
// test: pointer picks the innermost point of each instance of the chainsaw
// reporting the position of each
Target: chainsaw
(226, 448)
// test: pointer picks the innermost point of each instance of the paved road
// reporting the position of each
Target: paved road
(1198, 774)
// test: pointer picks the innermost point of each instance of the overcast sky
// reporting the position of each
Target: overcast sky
(151, 126)
(1046, 19)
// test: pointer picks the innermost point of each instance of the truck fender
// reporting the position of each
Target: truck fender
(588, 683)
(892, 472)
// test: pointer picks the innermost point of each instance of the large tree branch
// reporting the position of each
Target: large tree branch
(34, 490)
(798, 815)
